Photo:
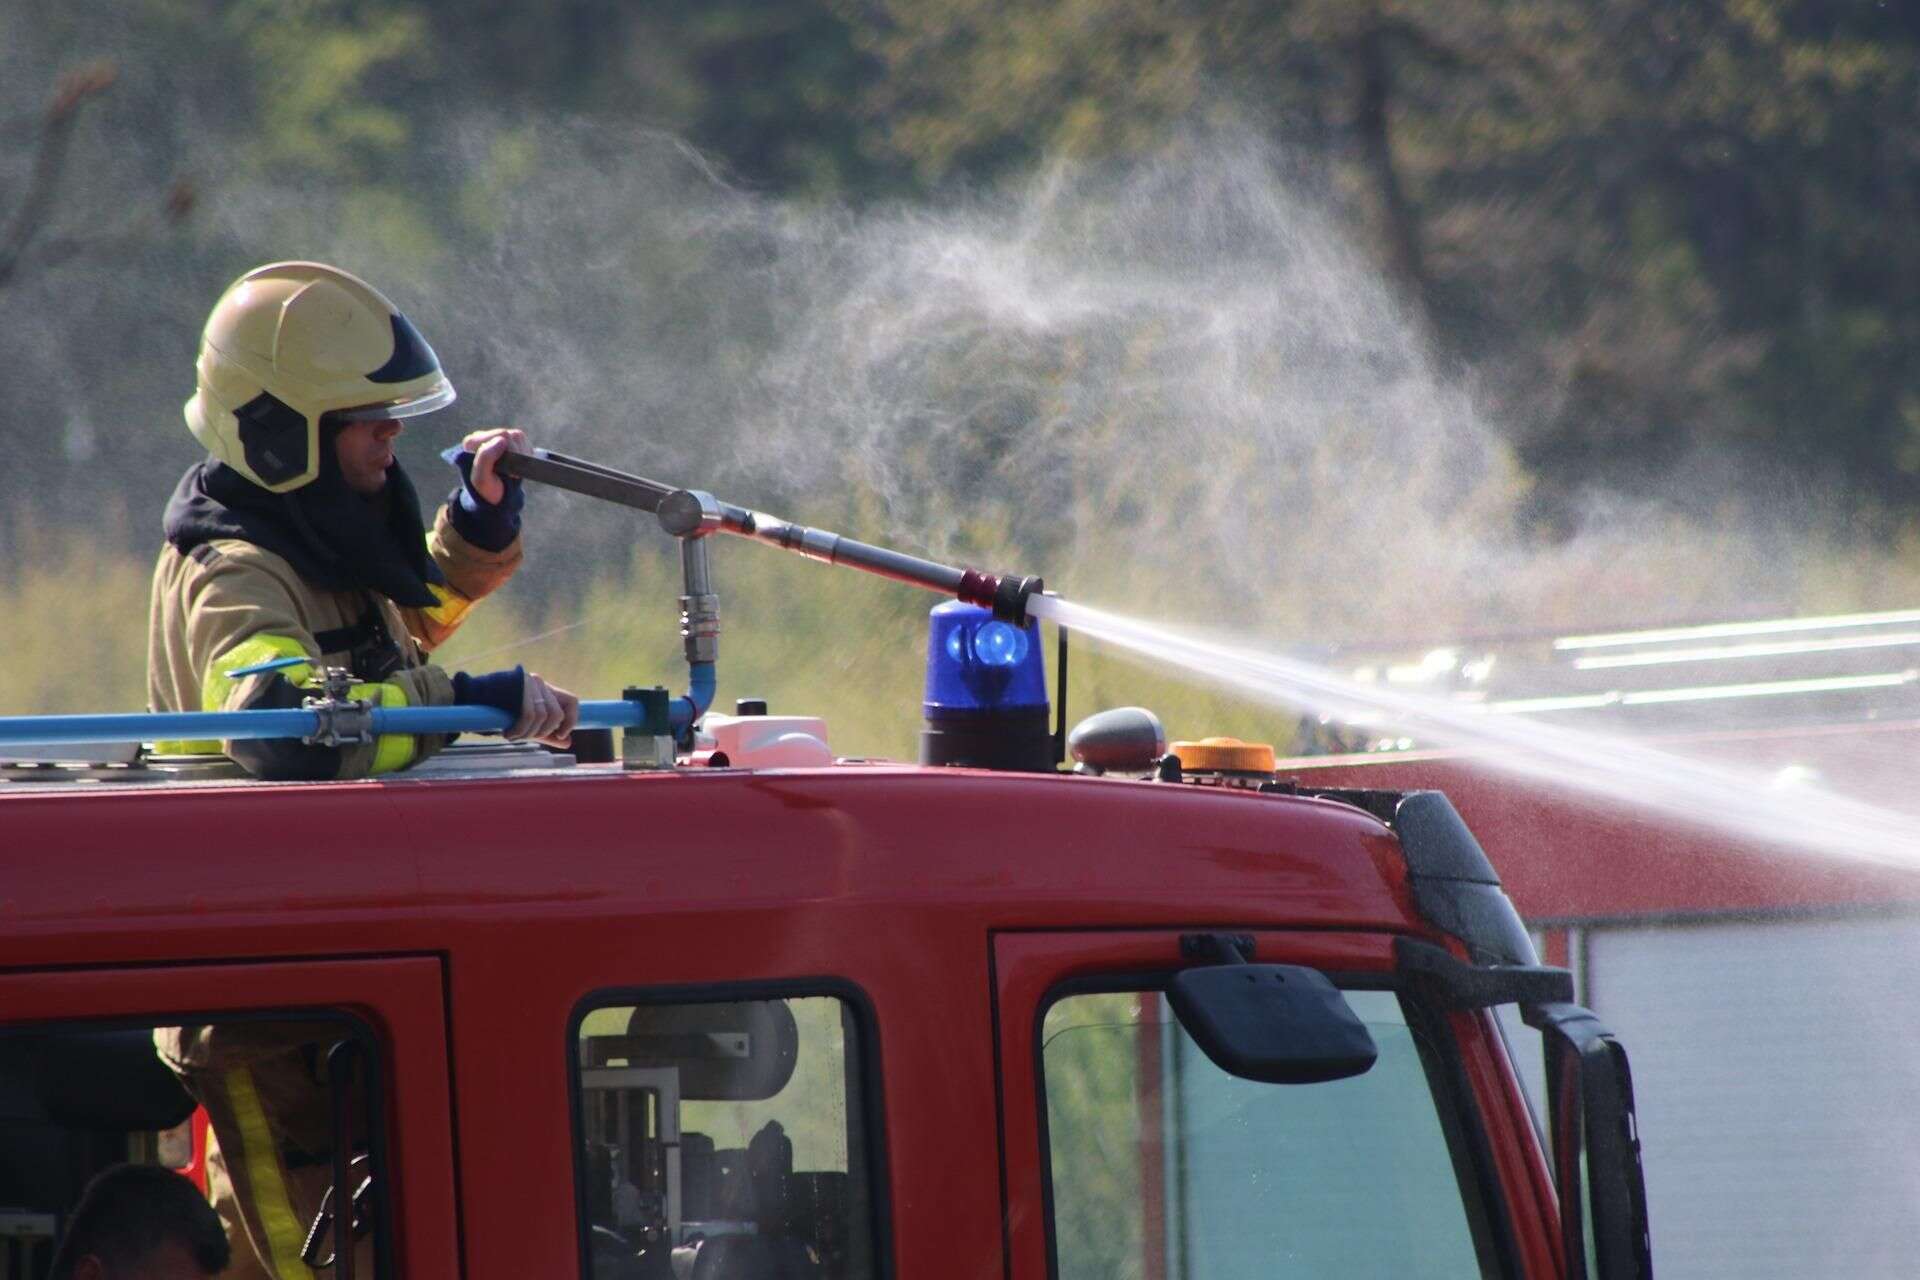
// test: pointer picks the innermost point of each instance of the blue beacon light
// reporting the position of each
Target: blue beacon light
(986, 692)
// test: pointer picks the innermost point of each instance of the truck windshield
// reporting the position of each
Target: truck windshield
(1164, 1167)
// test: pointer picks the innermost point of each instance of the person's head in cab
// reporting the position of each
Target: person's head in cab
(141, 1222)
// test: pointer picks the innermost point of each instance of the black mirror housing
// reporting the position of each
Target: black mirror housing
(1596, 1145)
(1275, 1023)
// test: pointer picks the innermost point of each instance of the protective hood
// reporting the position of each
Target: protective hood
(335, 539)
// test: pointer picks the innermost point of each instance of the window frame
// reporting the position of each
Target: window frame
(398, 999)
(1462, 1123)
(871, 1108)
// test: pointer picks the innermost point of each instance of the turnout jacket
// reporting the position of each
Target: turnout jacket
(269, 1163)
(230, 603)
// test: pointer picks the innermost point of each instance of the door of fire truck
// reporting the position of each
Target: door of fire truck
(1128, 1152)
(80, 1083)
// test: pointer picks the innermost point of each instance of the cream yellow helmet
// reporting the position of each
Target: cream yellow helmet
(289, 342)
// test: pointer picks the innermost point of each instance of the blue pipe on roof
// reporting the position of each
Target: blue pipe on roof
(300, 723)
(702, 681)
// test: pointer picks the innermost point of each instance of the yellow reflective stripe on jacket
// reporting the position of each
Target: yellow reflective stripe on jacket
(187, 747)
(451, 608)
(257, 648)
(391, 751)
(260, 1158)
(218, 685)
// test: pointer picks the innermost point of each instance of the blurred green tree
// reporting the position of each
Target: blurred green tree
(1655, 227)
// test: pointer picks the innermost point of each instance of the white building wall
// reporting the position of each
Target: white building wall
(1777, 1070)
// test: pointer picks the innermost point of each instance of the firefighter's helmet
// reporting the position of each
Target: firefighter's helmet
(290, 342)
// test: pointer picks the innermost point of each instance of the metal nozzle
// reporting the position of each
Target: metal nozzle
(1005, 594)
(692, 514)
(700, 606)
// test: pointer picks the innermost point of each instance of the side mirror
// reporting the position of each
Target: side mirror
(1596, 1146)
(1276, 1023)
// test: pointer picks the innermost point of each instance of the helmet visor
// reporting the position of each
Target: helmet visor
(438, 398)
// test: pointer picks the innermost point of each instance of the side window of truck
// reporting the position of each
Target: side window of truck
(726, 1137)
(1163, 1166)
(266, 1116)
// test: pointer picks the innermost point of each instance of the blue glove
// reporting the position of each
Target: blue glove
(491, 526)
(506, 690)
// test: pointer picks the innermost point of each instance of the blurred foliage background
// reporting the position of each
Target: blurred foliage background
(1323, 322)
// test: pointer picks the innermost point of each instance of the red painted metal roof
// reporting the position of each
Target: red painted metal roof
(1564, 854)
(97, 875)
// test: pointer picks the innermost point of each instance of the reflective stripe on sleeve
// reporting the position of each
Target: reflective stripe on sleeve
(218, 685)
(452, 606)
(261, 647)
(260, 1166)
(187, 747)
(391, 751)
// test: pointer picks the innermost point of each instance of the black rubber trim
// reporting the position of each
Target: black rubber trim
(1454, 886)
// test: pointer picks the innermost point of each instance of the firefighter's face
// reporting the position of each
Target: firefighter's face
(365, 451)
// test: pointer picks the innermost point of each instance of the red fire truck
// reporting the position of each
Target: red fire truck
(589, 992)
(733, 1008)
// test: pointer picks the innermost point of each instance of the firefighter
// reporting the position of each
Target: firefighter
(301, 535)
(141, 1222)
(266, 1090)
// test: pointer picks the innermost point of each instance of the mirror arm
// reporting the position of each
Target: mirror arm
(1217, 948)
(1590, 1092)
(1455, 984)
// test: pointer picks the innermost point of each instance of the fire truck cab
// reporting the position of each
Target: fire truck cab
(534, 1017)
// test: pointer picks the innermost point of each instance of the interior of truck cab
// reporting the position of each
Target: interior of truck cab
(288, 1103)
(724, 1140)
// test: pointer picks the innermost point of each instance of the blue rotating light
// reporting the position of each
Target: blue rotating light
(976, 662)
(986, 692)
(991, 645)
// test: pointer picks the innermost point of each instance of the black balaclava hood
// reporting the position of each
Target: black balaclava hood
(335, 539)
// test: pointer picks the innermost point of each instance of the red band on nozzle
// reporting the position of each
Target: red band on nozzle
(978, 588)
(1005, 594)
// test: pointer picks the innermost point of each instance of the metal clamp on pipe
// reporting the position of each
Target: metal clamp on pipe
(340, 719)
